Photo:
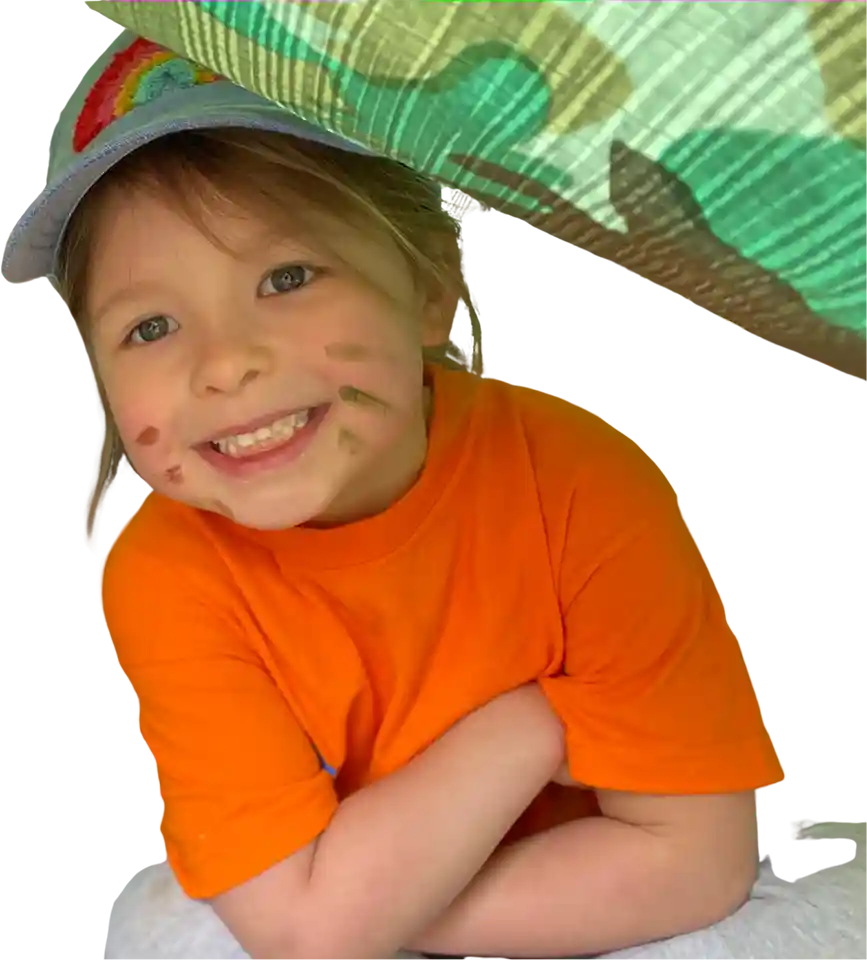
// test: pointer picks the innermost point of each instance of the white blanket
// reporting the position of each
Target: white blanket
(796, 912)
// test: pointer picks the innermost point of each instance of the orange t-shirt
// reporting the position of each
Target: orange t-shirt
(537, 544)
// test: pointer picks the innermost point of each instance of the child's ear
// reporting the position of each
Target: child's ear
(441, 301)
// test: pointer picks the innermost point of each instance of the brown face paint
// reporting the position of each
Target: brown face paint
(174, 475)
(354, 395)
(348, 440)
(148, 437)
(347, 351)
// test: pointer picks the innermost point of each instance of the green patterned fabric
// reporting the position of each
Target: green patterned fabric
(717, 149)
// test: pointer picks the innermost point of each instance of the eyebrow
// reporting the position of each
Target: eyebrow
(270, 241)
(136, 291)
(139, 291)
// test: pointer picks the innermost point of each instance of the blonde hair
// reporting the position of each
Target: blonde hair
(283, 178)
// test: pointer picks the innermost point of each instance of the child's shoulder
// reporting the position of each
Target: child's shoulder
(167, 592)
(578, 457)
(558, 427)
(551, 410)
(165, 537)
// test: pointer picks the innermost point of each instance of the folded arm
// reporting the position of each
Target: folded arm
(241, 779)
(656, 701)
(397, 852)
(651, 867)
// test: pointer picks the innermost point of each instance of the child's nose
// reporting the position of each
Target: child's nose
(228, 366)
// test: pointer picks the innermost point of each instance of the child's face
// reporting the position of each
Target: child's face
(239, 336)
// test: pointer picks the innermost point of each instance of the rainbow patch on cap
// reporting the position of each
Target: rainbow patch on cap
(140, 74)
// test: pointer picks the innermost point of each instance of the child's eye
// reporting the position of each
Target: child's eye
(149, 323)
(284, 279)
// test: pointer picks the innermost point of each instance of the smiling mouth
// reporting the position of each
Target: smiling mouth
(265, 438)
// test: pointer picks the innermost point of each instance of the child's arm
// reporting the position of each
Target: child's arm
(398, 852)
(661, 721)
(652, 868)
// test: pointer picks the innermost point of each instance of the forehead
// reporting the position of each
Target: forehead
(143, 235)
(154, 223)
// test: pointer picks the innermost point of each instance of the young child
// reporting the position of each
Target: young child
(426, 661)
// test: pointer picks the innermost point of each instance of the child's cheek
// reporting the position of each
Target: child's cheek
(150, 460)
(148, 450)
(148, 437)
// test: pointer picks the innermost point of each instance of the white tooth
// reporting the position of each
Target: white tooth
(279, 430)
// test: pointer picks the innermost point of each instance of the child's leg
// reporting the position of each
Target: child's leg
(153, 918)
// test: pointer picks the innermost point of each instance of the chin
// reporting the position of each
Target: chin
(274, 509)
(282, 512)
(257, 518)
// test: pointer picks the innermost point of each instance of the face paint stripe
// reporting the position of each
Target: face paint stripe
(354, 395)
(347, 351)
(350, 441)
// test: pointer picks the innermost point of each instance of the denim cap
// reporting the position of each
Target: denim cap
(136, 92)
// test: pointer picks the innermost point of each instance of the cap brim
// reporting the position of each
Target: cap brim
(32, 246)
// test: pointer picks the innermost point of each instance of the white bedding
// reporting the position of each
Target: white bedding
(819, 917)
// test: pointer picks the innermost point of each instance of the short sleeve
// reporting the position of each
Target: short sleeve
(654, 694)
(242, 785)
